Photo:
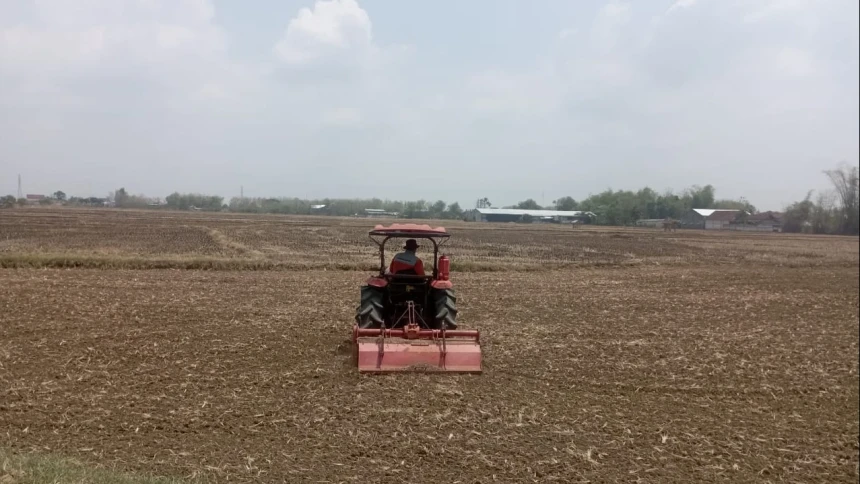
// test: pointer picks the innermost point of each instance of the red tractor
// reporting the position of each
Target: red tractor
(409, 321)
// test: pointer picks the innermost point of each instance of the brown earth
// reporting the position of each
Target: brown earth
(610, 354)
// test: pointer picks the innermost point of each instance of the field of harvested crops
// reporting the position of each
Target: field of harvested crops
(211, 347)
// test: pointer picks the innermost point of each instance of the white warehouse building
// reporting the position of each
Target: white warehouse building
(517, 215)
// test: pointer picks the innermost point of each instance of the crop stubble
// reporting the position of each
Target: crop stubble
(698, 369)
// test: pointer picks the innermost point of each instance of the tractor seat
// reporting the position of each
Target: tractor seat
(408, 287)
(408, 275)
(400, 280)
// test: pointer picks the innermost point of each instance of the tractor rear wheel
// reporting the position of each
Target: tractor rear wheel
(445, 307)
(370, 309)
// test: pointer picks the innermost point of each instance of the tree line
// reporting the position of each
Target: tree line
(625, 207)
(9, 201)
(611, 207)
(835, 211)
(347, 207)
(832, 211)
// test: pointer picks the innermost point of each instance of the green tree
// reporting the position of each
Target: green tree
(273, 205)
(453, 211)
(174, 200)
(566, 204)
(437, 209)
(7, 202)
(184, 201)
(700, 197)
(824, 215)
(417, 209)
(798, 214)
(846, 182)
(21, 202)
(244, 205)
(120, 198)
(528, 205)
(616, 208)
(668, 205)
(741, 204)
(60, 196)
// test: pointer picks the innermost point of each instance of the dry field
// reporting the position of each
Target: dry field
(211, 347)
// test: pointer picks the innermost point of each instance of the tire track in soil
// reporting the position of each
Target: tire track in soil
(232, 246)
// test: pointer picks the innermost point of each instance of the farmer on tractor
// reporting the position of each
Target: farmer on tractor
(406, 320)
(407, 262)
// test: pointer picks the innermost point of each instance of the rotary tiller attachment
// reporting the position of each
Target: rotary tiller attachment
(415, 349)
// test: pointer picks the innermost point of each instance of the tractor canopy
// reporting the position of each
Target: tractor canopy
(409, 230)
(381, 234)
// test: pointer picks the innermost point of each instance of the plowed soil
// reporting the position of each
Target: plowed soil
(655, 357)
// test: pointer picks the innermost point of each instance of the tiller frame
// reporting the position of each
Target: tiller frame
(411, 347)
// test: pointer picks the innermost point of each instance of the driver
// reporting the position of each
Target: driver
(407, 262)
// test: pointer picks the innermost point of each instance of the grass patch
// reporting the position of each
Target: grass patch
(39, 469)
(68, 261)
(73, 261)
(114, 262)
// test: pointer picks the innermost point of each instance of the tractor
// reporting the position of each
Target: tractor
(408, 321)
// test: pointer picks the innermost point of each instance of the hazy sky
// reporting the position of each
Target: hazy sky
(505, 99)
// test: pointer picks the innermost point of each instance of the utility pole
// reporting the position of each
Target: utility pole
(20, 190)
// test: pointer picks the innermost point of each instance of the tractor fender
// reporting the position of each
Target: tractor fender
(437, 284)
(379, 282)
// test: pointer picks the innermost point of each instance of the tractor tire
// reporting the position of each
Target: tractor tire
(445, 307)
(370, 309)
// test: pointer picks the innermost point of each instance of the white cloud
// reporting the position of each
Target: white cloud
(172, 44)
(764, 10)
(681, 4)
(336, 30)
(795, 62)
(608, 27)
(210, 91)
(597, 64)
(615, 9)
(566, 33)
(27, 47)
(499, 93)
(342, 117)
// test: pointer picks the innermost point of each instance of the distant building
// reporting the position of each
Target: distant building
(650, 222)
(379, 213)
(698, 218)
(517, 215)
(727, 219)
(721, 219)
(34, 199)
(762, 222)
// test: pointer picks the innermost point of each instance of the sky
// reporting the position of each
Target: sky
(452, 100)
